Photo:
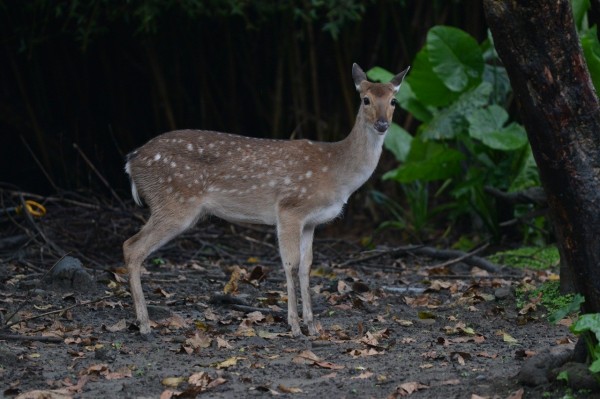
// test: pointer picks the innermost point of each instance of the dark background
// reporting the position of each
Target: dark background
(108, 75)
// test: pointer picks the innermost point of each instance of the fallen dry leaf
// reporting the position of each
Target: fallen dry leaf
(285, 389)
(305, 357)
(245, 329)
(123, 372)
(517, 394)
(175, 321)
(329, 365)
(118, 326)
(232, 285)
(199, 379)
(406, 389)
(364, 352)
(198, 341)
(172, 382)
(232, 361)
(362, 376)
(509, 339)
(95, 369)
(210, 315)
(223, 344)
(44, 394)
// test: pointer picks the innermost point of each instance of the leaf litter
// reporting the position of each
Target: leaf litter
(397, 325)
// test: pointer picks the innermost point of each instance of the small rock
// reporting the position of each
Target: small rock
(7, 357)
(502, 293)
(105, 355)
(68, 273)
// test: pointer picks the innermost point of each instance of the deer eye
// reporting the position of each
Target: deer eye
(394, 102)
(366, 101)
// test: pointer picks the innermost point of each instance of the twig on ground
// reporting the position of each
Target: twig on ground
(462, 258)
(452, 253)
(468, 258)
(379, 253)
(85, 303)
(25, 302)
(39, 338)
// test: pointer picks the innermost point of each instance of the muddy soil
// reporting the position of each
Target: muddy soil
(392, 325)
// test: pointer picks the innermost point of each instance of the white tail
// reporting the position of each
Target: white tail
(292, 184)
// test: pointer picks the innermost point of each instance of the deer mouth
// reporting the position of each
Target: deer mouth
(381, 126)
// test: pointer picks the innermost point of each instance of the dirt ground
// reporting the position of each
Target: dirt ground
(393, 323)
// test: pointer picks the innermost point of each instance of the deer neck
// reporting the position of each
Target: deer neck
(359, 153)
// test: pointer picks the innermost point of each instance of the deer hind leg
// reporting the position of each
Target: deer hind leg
(306, 257)
(288, 234)
(156, 232)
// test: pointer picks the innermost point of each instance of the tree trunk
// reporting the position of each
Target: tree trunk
(538, 44)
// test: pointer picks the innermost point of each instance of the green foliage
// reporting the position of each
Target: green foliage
(487, 125)
(90, 19)
(590, 324)
(528, 257)
(570, 308)
(551, 297)
(466, 140)
(588, 37)
(557, 305)
(455, 57)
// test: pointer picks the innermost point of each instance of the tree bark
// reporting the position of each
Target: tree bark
(539, 46)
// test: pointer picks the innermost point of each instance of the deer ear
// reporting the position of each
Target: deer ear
(397, 80)
(358, 75)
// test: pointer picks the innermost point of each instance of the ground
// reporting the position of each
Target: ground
(393, 323)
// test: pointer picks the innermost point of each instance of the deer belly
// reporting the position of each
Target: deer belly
(325, 214)
(242, 212)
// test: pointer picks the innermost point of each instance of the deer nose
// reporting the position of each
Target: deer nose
(382, 125)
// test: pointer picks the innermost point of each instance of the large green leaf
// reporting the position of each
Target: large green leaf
(486, 125)
(455, 57)
(408, 101)
(580, 8)
(587, 322)
(427, 161)
(378, 74)
(398, 140)
(591, 51)
(527, 174)
(496, 75)
(452, 120)
(426, 84)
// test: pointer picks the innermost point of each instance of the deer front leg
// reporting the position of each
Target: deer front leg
(288, 234)
(306, 257)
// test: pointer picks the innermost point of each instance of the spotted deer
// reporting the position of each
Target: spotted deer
(294, 185)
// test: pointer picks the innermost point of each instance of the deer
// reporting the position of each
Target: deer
(294, 185)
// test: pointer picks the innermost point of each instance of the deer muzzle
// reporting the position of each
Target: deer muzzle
(381, 125)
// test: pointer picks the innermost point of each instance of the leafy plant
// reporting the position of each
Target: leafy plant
(588, 324)
(465, 140)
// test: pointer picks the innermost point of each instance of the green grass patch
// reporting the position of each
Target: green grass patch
(528, 257)
(550, 297)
